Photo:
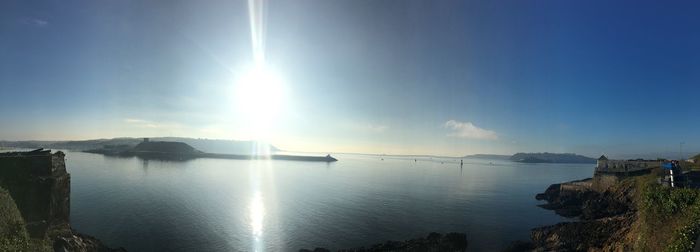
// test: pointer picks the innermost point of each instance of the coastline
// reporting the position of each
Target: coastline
(632, 214)
(195, 155)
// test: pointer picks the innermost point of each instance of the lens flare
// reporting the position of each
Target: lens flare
(256, 12)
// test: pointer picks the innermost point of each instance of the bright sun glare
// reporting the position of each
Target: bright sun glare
(260, 94)
(260, 97)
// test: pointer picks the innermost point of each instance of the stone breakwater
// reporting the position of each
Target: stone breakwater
(40, 186)
(450, 242)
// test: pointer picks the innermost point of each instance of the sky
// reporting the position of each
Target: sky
(395, 77)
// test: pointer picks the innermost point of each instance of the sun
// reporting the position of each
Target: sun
(260, 95)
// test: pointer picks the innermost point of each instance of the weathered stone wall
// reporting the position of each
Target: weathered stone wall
(577, 186)
(602, 181)
(40, 186)
(626, 165)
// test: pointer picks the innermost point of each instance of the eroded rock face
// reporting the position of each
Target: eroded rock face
(433, 242)
(605, 217)
(76, 242)
(578, 199)
(599, 234)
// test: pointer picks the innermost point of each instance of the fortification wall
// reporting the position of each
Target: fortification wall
(577, 186)
(603, 181)
(626, 165)
(40, 186)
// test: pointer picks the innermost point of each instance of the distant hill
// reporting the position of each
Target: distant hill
(219, 146)
(72, 145)
(179, 151)
(205, 145)
(552, 158)
(488, 156)
(164, 147)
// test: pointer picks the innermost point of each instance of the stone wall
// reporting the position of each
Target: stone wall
(626, 165)
(577, 186)
(603, 181)
(40, 186)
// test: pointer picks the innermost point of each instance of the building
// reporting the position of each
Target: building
(609, 172)
(624, 166)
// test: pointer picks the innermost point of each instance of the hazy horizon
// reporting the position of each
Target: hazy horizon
(622, 155)
(447, 78)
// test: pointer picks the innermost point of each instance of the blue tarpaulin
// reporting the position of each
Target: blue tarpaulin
(668, 166)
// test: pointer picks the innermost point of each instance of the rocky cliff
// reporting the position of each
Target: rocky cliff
(40, 186)
(632, 214)
(605, 217)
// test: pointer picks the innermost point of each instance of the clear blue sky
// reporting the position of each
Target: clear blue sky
(432, 77)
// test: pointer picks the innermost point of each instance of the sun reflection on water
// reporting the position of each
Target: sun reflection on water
(257, 215)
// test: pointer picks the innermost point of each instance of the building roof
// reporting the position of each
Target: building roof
(602, 157)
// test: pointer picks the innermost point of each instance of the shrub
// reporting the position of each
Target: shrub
(673, 209)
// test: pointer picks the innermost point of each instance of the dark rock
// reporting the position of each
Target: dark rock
(606, 216)
(582, 235)
(603, 206)
(433, 242)
(518, 246)
(549, 194)
(578, 199)
(77, 242)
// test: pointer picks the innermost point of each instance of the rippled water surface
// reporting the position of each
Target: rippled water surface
(240, 205)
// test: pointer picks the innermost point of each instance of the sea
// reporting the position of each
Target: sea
(275, 205)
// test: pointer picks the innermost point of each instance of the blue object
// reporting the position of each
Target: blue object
(668, 166)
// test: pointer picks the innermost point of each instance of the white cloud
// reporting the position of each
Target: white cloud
(469, 130)
(377, 128)
(35, 21)
(153, 125)
(134, 121)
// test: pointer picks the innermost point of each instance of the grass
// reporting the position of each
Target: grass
(668, 218)
(13, 234)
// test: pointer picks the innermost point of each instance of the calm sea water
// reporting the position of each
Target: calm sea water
(239, 205)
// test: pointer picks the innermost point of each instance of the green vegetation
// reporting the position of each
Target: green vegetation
(668, 218)
(13, 235)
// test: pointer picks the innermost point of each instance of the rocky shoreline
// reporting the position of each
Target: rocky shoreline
(604, 218)
(450, 242)
(80, 242)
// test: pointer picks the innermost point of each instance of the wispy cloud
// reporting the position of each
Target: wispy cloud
(35, 21)
(149, 124)
(134, 121)
(469, 130)
(375, 128)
